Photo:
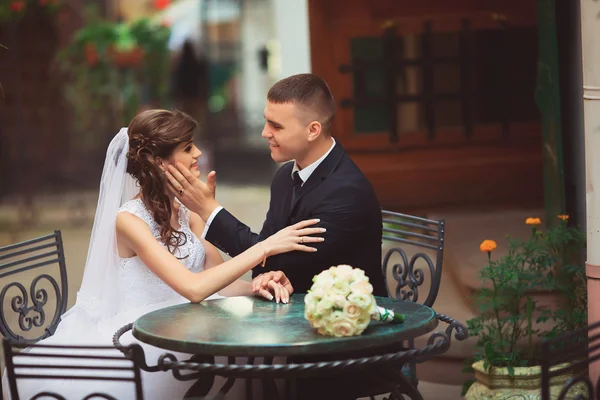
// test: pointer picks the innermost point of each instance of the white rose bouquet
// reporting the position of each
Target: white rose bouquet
(341, 303)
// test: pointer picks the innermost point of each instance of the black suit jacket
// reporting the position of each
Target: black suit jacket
(341, 197)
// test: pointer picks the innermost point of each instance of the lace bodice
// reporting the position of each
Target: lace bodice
(139, 285)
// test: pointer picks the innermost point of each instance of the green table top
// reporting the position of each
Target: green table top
(251, 326)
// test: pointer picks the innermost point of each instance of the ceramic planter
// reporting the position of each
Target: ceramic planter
(126, 59)
(496, 383)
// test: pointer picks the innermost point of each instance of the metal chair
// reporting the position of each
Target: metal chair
(18, 266)
(54, 362)
(418, 234)
(570, 354)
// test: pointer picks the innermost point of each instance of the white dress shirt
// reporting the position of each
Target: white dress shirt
(307, 172)
(304, 173)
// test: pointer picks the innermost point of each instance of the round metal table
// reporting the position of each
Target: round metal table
(250, 326)
(253, 327)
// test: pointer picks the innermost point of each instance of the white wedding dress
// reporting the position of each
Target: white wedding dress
(140, 292)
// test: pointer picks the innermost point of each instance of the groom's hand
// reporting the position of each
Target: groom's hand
(196, 195)
(264, 282)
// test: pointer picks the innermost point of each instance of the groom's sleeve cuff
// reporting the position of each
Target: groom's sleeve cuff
(210, 220)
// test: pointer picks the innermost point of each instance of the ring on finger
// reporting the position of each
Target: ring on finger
(301, 239)
(180, 191)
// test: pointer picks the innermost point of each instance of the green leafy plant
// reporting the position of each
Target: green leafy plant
(113, 68)
(548, 262)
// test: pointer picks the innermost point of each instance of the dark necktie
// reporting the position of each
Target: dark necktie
(297, 184)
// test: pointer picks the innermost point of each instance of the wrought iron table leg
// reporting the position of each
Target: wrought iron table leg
(270, 390)
(404, 386)
(291, 389)
(249, 389)
(395, 395)
(204, 383)
(230, 381)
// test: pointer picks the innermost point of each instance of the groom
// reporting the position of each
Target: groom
(318, 181)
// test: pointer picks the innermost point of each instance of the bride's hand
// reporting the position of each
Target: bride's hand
(263, 282)
(293, 237)
(277, 289)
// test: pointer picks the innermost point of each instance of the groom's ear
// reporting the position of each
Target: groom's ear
(314, 130)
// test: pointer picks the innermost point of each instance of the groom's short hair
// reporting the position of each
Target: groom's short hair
(309, 92)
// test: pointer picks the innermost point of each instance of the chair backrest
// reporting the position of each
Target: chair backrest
(423, 236)
(32, 263)
(569, 356)
(92, 365)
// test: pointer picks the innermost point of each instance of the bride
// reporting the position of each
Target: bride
(147, 252)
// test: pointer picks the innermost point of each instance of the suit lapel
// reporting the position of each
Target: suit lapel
(283, 191)
(324, 169)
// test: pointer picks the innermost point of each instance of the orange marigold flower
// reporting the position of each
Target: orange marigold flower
(487, 246)
(533, 221)
(564, 217)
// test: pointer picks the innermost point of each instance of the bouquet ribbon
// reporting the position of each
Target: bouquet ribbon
(385, 315)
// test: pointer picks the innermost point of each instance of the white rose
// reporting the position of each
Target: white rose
(364, 301)
(361, 287)
(362, 323)
(324, 283)
(308, 315)
(317, 294)
(334, 316)
(317, 322)
(342, 286)
(309, 298)
(342, 291)
(328, 274)
(352, 311)
(343, 327)
(310, 308)
(325, 305)
(358, 274)
(339, 301)
(344, 272)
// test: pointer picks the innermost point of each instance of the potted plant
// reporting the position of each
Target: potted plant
(511, 320)
(111, 66)
(15, 9)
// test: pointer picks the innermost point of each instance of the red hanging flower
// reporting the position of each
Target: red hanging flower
(17, 5)
(161, 4)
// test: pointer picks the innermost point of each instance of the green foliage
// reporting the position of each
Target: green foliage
(103, 94)
(550, 262)
(154, 40)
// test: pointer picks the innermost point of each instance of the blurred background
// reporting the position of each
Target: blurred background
(468, 110)
(73, 72)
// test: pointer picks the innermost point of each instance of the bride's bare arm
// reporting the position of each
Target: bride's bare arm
(136, 235)
(239, 287)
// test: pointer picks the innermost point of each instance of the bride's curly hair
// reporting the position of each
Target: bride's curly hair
(152, 134)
